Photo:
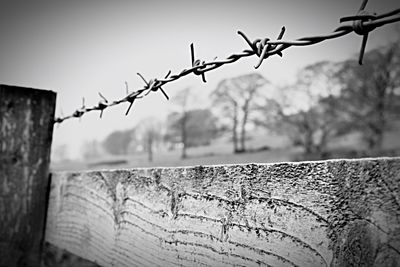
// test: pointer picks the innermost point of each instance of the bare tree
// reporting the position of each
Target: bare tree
(368, 96)
(307, 111)
(91, 149)
(59, 153)
(149, 131)
(236, 97)
(117, 142)
(183, 98)
(200, 128)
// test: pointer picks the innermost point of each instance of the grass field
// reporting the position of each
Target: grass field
(220, 152)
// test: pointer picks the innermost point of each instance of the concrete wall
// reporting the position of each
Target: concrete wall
(327, 213)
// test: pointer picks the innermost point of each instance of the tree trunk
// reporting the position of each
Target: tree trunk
(184, 135)
(381, 120)
(376, 139)
(234, 129)
(320, 148)
(308, 142)
(245, 110)
(150, 148)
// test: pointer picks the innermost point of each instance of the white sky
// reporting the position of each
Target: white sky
(79, 48)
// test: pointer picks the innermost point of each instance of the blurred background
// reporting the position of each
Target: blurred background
(314, 103)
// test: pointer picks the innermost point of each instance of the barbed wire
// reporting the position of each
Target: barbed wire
(362, 24)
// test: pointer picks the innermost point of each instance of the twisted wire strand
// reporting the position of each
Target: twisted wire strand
(363, 23)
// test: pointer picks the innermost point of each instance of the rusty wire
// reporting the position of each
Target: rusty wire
(362, 23)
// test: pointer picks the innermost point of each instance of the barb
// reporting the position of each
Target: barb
(197, 64)
(360, 29)
(362, 24)
(102, 104)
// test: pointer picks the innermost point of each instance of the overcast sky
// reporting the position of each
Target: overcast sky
(79, 48)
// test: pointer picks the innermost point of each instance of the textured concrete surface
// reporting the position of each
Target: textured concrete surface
(326, 213)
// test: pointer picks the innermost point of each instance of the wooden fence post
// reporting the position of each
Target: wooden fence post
(26, 127)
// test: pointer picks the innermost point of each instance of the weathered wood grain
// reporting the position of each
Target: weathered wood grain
(26, 128)
(327, 213)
